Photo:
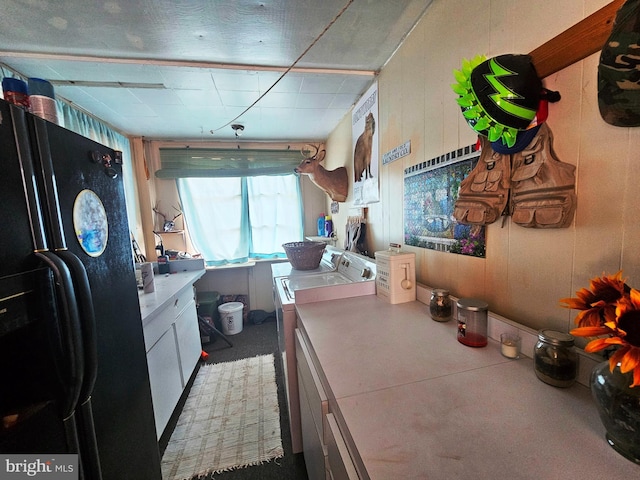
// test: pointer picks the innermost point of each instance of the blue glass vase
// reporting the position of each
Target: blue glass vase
(619, 409)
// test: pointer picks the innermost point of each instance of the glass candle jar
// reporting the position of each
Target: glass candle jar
(14, 91)
(440, 306)
(555, 359)
(472, 322)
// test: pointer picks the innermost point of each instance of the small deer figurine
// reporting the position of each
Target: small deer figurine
(334, 183)
(168, 225)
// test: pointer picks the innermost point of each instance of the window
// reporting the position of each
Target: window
(232, 219)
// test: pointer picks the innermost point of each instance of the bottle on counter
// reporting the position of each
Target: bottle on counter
(321, 221)
(328, 226)
(163, 264)
(472, 322)
(440, 305)
(555, 359)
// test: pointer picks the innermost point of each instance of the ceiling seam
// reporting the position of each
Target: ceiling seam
(186, 63)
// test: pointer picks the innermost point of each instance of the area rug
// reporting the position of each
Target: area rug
(230, 420)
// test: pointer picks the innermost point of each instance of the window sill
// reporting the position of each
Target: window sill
(248, 264)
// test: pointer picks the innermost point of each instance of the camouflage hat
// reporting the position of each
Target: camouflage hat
(619, 69)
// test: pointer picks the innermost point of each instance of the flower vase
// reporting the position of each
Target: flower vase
(619, 408)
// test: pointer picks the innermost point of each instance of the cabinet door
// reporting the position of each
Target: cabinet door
(182, 300)
(158, 326)
(317, 397)
(313, 407)
(165, 379)
(312, 447)
(340, 463)
(189, 346)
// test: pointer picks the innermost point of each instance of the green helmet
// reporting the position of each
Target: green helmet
(498, 97)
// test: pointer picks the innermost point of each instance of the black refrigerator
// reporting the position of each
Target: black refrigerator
(73, 368)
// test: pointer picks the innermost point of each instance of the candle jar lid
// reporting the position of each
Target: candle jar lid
(440, 292)
(10, 84)
(472, 304)
(553, 337)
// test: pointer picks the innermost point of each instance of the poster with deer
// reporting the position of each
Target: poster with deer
(365, 148)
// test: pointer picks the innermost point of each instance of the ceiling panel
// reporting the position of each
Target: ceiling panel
(179, 69)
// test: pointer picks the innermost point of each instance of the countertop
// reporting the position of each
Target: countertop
(166, 285)
(414, 403)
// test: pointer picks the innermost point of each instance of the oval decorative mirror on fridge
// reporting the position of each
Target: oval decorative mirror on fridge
(90, 223)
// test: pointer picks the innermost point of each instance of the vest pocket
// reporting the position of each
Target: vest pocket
(478, 210)
(488, 181)
(552, 211)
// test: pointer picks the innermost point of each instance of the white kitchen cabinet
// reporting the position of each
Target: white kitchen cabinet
(188, 335)
(165, 379)
(313, 448)
(340, 464)
(314, 406)
(172, 341)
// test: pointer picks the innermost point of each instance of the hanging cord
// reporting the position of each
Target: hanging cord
(329, 25)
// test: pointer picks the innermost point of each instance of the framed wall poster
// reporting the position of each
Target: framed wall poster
(430, 193)
(365, 148)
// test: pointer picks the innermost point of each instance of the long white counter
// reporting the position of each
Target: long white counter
(166, 286)
(172, 339)
(413, 403)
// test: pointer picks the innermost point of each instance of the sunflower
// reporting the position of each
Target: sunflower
(622, 331)
(597, 304)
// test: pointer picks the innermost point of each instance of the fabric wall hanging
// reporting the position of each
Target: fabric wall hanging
(430, 192)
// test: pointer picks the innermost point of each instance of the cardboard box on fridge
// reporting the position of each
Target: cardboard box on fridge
(396, 276)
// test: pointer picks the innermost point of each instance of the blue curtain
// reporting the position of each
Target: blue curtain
(231, 220)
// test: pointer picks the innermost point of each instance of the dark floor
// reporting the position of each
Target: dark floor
(255, 340)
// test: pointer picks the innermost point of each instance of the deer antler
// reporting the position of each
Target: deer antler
(168, 225)
(179, 210)
(316, 148)
(155, 209)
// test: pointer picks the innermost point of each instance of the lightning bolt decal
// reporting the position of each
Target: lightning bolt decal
(504, 96)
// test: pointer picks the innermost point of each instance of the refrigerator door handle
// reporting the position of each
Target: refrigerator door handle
(87, 321)
(29, 184)
(71, 368)
(51, 202)
(90, 452)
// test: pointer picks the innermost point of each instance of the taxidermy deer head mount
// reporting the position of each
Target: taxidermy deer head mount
(168, 225)
(334, 183)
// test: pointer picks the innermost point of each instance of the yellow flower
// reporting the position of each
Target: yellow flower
(623, 330)
(597, 304)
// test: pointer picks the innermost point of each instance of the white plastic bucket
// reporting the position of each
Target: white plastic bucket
(231, 317)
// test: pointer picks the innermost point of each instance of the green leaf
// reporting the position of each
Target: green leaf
(495, 133)
(460, 77)
(459, 89)
(482, 124)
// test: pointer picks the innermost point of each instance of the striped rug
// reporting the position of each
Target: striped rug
(230, 420)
